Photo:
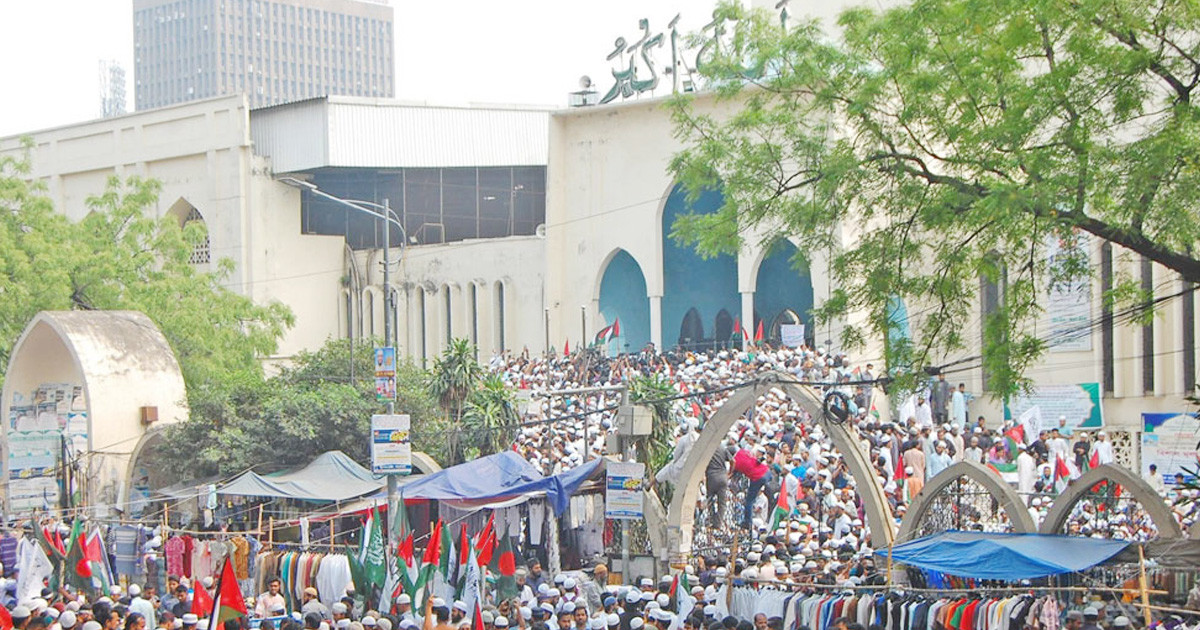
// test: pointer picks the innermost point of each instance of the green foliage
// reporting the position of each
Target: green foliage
(454, 377)
(489, 418)
(285, 421)
(119, 257)
(945, 141)
(655, 387)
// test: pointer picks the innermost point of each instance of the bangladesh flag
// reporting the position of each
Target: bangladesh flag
(505, 567)
(1013, 437)
(77, 573)
(228, 603)
(88, 566)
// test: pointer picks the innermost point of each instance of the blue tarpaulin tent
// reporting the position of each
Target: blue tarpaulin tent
(502, 475)
(1004, 556)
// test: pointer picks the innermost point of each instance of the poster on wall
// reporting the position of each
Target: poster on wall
(1080, 403)
(1171, 441)
(792, 335)
(1069, 304)
(38, 422)
(623, 490)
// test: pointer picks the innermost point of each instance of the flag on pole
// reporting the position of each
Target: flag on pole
(78, 573)
(202, 602)
(1094, 460)
(485, 543)
(567, 348)
(228, 604)
(608, 333)
(370, 554)
(6, 622)
(758, 333)
(783, 505)
(429, 563)
(472, 591)
(95, 559)
(1013, 437)
(1062, 474)
(460, 573)
(505, 567)
(448, 559)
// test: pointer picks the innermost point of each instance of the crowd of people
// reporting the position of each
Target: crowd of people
(779, 443)
(814, 536)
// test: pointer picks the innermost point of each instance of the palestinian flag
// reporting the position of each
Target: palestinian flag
(1062, 474)
(783, 507)
(477, 617)
(6, 622)
(202, 602)
(485, 542)
(504, 566)
(464, 559)
(739, 332)
(1014, 437)
(448, 559)
(567, 348)
(406, 569)
(429, 564)
(228, 603)
(608, 333)
(1094, 460)
(758, 333)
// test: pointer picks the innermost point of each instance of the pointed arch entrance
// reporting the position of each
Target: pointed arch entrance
(783, 293)
(1129, 484)
(933, 500)
(691, 331)
(622, 296)
(681, 513)
(691, 281)
(723, 328)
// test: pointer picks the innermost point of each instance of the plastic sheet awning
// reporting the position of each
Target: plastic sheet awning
(332, 476)
(1004, 556)
(500, 476)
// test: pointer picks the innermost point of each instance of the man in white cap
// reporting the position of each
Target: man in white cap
(189, 621)
(1103, 449)
(1026, 472)
(404, 606)
(458, 612)
(142, 605)
(267, 601)
(67, 620)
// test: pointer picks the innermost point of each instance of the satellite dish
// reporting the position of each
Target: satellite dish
(540, 231)
(585, 82)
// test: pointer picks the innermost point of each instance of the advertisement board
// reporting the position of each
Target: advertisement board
(1171, 441)
(391, 452)
(1080, 403)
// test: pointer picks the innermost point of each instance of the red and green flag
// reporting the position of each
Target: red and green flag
(202, 602)
(485, 542)
(505, 567)
(448, 559)
(758, 333)
(608, 333)
(429, 564)
(1014, 437)
(228, 603)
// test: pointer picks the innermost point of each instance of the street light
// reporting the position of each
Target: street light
(384, 212)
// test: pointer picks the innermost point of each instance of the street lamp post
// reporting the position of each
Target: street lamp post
(383, 211)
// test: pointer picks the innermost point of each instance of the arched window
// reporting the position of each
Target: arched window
(200, 249)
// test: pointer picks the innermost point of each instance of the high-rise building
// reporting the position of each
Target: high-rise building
(272, 50)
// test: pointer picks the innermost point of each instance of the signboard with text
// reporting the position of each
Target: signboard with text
(1080, 403)
(1171, 441)
(623, 490)
(391, 452)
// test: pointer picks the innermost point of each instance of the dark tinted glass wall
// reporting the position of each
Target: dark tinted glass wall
(435, 205)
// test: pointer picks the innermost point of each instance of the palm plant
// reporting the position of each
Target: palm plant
(489, 416)
(651, 390)
(455, 375)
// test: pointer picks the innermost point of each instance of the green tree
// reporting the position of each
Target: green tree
(651, 390)
(951, 139)
(454, 377)
(489, 417)
(285, 421)
(119, 257)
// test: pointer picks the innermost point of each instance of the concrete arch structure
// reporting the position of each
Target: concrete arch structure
(1018, 515)
(127, 383)
(1154, 505)
(681, 513)
(424, 463)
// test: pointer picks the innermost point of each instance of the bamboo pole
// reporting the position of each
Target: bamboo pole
(260, 513)
(1143, 586)
(271, 532)
(729, 576)
(332, 532)
(889, 563)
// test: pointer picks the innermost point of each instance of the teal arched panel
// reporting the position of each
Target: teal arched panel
(781, 286)
(623, 297)
(690, 281)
